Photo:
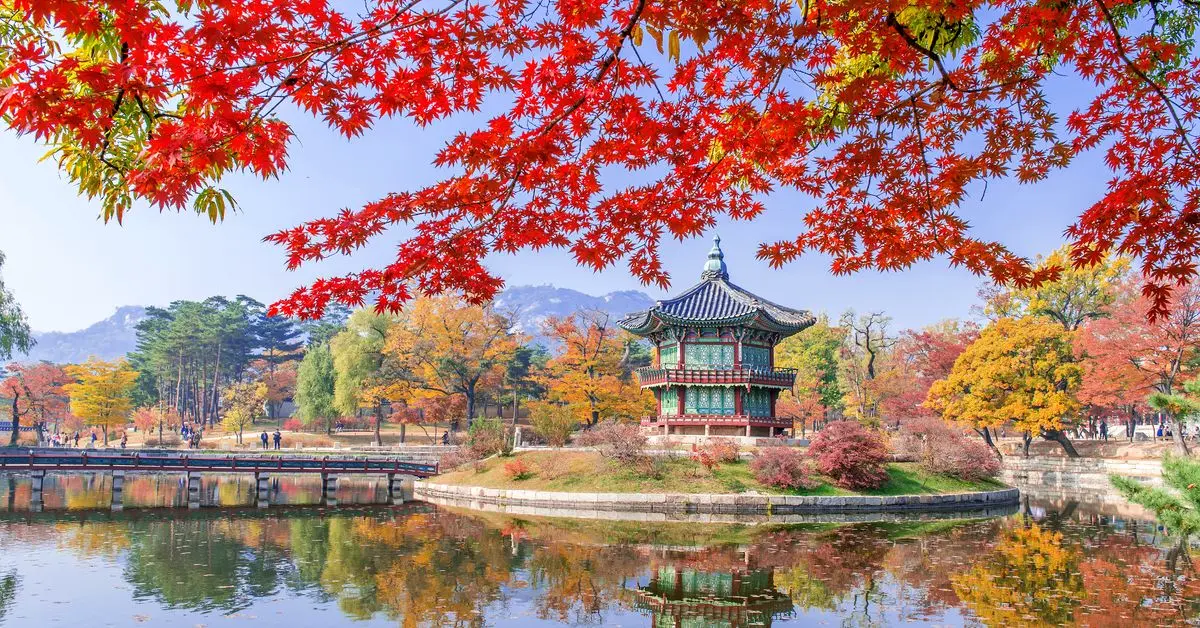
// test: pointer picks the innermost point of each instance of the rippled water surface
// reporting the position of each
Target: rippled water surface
(296, 564)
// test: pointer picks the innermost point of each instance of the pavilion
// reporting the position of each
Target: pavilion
(714, 357)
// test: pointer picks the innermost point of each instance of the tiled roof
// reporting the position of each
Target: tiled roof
(715, 299)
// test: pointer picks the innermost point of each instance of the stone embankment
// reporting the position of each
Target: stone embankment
(683, 503)
(1081, 474)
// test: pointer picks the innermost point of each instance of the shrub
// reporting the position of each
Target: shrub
(971, 460)
(290, 441)
(168, 440)
(293, 425)
(850, 455)
(942, 450)
(454, 459)
(486, 438)
(620, 442)
(517, 469)
(715, 453)
(653, 467)
(783, 467)
(553, 422)
(552, 467)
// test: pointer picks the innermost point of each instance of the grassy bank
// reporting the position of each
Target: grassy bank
(574, 471)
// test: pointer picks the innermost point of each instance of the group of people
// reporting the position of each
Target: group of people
(191, 434)
(278, 438)
(63, 439)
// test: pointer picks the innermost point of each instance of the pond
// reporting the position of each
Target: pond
(75, 563)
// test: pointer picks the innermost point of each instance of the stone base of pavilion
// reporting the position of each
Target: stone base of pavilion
(700, 428)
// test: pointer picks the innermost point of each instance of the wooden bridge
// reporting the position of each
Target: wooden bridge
(102, 460)
(38, 462)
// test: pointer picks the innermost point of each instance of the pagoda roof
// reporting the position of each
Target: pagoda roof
(718, 301)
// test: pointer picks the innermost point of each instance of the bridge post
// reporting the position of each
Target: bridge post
(193, 489)
(400, 488)
(329, 489)
(262, 484)
(118, 491)
(35, 497)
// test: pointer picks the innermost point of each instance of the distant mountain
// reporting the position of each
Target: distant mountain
(116, 335)
(108, 339)
(533, 304)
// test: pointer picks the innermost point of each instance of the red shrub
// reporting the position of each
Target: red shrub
(715, 452)
(620, 442)
(517, 469)
(784, 467)
(969, 459)
(941, 449)
(455, 458)
(851, 455)
(293, 425)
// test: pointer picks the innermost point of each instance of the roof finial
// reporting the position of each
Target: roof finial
(715, 267)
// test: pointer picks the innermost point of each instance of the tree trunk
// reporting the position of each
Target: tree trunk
(216, 393)
(104, 430)
(1027, 438)
(402, 426)
(378, 421)
(1180, 441)
(987, 438)
(16, 421)
(1060, 437)
(470, 395)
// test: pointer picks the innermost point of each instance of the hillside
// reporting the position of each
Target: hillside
(108, 339)
(116, 335)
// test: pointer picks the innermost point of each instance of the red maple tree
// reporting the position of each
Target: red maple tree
(889, 115)
(35, 391)
(1132, 356)
(923, 356)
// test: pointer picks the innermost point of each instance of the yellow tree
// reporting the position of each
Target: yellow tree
(244, 402)
(1077, 295)
(100, 393)
(446, 346)
(1021, 370)
(588, 372)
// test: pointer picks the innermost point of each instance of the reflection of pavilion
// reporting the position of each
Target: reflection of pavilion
(691, 598)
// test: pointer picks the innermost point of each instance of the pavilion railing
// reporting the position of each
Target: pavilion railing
(781, 377)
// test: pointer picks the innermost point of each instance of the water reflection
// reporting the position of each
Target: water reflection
(419, 565)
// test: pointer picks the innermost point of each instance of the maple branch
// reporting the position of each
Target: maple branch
(916, 45)
(1138, 72)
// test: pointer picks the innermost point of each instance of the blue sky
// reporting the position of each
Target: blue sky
(68, 269)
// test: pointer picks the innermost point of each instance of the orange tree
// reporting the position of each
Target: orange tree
(1021, 370)
(35, 390)
(891, 116)
(100, 392)
(588, 372)
(446, 346)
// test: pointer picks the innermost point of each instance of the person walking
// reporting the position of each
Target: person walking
(445, 438)
(1104, 430)
(124, 439)
(93, 444)
(278, 439)
(263, 438)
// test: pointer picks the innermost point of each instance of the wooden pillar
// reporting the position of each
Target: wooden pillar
(681, 393)
(738, 403)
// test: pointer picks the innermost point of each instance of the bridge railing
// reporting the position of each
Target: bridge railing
(51, 460)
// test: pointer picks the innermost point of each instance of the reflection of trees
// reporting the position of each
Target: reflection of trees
(8, 592)
(1131, 583)
(192, 564)
(579, 582)
(1030, 579)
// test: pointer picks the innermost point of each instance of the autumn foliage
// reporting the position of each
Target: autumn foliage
(784, 467)
(851, 455)
(892, 117)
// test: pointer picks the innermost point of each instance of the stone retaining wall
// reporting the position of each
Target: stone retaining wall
(1077, 473)
(744, 504)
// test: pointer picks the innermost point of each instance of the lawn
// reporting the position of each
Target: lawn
(574, 471)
